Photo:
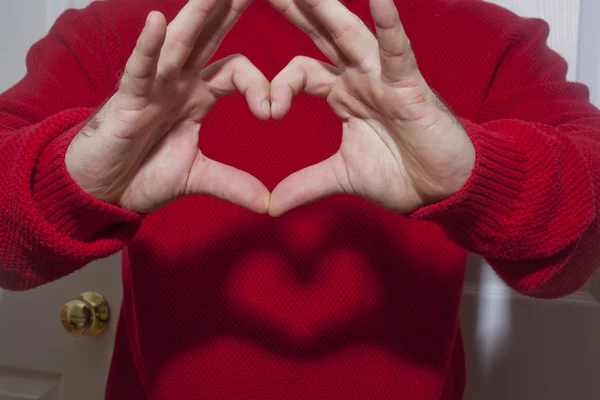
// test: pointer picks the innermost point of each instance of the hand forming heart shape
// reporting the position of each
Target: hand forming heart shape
(401, 147)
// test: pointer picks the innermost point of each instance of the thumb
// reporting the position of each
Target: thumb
(324, 179)
(210, 177)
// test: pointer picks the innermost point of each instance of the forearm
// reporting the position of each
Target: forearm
(48, 226)
(530, 206)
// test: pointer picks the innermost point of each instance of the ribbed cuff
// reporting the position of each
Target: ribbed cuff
(64, 205)
(491, 193)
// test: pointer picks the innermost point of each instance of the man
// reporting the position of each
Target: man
(465, 138)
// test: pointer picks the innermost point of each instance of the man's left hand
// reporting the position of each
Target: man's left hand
(401, 147)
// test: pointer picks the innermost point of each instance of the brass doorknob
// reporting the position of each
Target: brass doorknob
(86, 315)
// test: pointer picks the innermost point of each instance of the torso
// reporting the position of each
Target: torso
(338, 299)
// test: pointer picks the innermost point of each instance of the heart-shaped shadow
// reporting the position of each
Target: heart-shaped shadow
(320, 282)
(342, 288)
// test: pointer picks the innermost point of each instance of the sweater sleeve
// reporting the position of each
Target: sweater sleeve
(48, 226)
(532, 204)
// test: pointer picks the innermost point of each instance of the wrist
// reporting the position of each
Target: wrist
(88, 162)
(465, 163)
(63, 203)
(455, 167)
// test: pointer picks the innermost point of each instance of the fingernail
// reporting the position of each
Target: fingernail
(273, 106)
(266, 107)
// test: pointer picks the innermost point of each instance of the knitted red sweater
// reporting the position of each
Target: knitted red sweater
(335, 300)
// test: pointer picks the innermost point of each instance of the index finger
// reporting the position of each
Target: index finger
(348, 32)
(182, 34)
(297, 14)
(216, 28)
(140, 71)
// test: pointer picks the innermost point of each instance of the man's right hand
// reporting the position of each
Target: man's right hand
(140, 150)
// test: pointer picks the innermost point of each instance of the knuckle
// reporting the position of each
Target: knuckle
(342, 31)
(238, 60)
(163, 78)
(350, 29)
(365, 65)
(391, 53)
(334, 99)
(134, 72)
(139, 44)
(130, 65)
(123, 83)
(227, 187)
(241, 58)
(299, 63)
(169, 71)
(313, 33)
(299, 60)
(184, 41)
(314, 4)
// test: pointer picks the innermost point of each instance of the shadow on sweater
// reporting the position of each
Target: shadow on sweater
(338, 276)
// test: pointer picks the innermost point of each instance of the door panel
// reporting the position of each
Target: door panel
(38, 358)
(517, 347)
(27, 384)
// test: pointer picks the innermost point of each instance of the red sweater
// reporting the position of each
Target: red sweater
(335, 300)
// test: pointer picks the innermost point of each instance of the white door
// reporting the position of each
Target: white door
(517, 348)
(38, 358)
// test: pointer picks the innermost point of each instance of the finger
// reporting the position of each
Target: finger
(321, 180)
(302, 74)
(140, 71)
(227, 183)
(348, 32)
(298, 14)
(396, 56)
(182, 35)
(236, 73)
(219, 24)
